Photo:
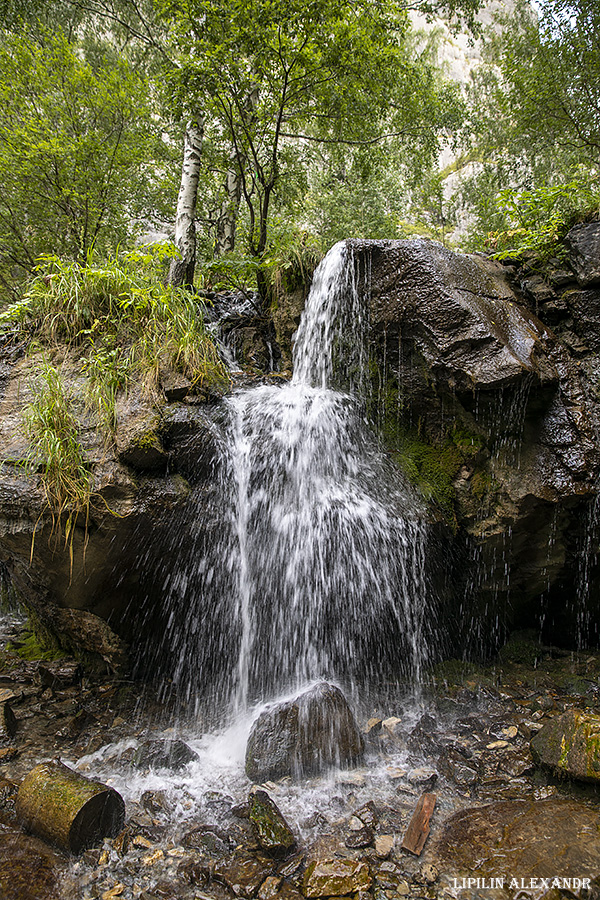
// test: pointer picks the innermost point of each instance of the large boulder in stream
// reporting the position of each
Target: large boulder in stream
(302, 736)
(570, 745)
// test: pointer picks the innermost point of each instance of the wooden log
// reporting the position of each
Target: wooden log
(67, 809)
(418, 829)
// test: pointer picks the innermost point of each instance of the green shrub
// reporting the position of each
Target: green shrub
(540, 218)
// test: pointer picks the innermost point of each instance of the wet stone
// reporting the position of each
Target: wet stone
(269, 825)
(302, 736)
(207, 838)
(368, 814)
(196, 871)
(534, 835)
(269, 887)
(59, 675)
(384, 844)
(240, 810)
(363, 837)
(287, 892)
(570, 744)
(463, 772)
(316, 820)
(336, 878)
(423, 775)
(8, 721)
(516, 762)
(242, 875)
(218, 801)
(291, 866)
(121, 842)
(174, 755)
(155, 802)
(392, 726)
(28, 869)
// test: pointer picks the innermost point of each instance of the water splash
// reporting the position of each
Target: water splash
(317, 567)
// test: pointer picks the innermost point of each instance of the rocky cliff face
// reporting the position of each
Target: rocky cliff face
(481, 397)
(484, 384)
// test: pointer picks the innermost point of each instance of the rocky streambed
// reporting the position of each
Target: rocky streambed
(502, 826)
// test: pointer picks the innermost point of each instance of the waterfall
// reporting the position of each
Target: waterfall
(316, 568)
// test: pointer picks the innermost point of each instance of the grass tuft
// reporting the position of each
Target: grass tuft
(56, 454)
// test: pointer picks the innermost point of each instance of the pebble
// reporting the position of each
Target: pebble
(497, 745)
(392, 725)
(384, 844)
(140, 841)
(510, 732)
(395, 774)
(115, 891)
(269, 887)
(152, 858)
(422, 775)
(430, 873)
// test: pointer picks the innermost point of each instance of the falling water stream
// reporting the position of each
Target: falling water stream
(317, 569)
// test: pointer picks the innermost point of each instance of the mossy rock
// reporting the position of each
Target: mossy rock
(523, 648)
(570, 745)
(269, 825)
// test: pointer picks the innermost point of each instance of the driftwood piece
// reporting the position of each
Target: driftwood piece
(418, 829)
(67, 809)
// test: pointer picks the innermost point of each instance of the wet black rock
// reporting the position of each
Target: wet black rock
(583, 244)
(464, 772)
(8, 721)
(209, 839)
(362, 837)
(305, 735)
(173, 755)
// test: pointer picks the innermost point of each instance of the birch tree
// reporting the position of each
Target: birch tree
(328, 71)
(182, 269)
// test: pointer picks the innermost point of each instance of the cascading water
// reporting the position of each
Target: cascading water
(317, 566)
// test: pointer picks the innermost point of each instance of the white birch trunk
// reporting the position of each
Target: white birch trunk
(182, 270)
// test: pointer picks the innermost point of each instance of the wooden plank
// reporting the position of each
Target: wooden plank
(418, 829)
